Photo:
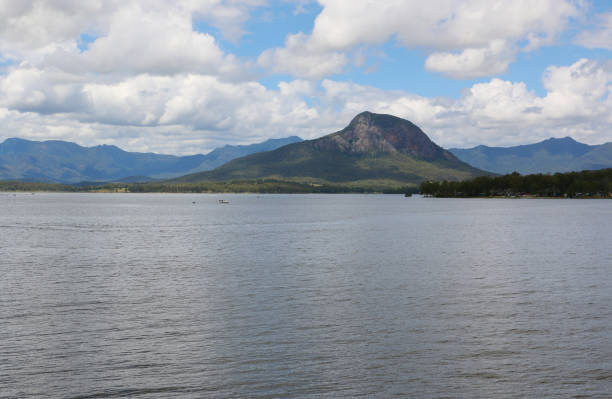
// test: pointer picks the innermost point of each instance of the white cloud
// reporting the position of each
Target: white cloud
(498, 101)
(35, 24)
(227, 16)
(469, 38)
(300, 57)
(190, 113)
(601, 36)
(578, 103)
(161, 43)
(579, 91)
(202, 103)
(137, 36)
(159, 85)
(43, 91)
(472, 62)
(297, 88)
(185, 113)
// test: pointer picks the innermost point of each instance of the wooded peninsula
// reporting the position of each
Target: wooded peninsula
(585, 184)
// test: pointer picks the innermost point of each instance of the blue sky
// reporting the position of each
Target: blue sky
(395, 67)
(188, 76)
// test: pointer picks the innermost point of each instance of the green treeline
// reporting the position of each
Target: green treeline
(235, 186)
(588, 183)
(15, 185)
(261, 186)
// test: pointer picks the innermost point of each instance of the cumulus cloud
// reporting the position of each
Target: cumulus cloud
(183, 113)
(137, 36)
(190, 113)
(472, 62)
(162, 86)
(601, 36)
(300, 57)
(579, 91)
(498, 112)
(37, 25)
(227, 16)
(161, 43)
(29, 89)
(469, 38)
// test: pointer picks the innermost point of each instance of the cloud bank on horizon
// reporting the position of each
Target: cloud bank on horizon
(189, 75)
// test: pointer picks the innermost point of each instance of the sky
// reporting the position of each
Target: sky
(187, 76)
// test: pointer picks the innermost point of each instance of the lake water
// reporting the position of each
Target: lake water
(296, 296)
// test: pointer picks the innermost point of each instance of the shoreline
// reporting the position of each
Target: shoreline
(33, 192)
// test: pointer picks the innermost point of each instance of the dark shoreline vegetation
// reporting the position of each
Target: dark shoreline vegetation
(259, 186)
(585, 184)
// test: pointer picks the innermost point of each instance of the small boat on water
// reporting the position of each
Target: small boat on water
(222, 201)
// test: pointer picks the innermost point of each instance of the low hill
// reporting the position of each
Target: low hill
(65, 162)
(374, 149)
(548, 156)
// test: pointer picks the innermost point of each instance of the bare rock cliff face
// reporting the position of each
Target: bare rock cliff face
(374, 134)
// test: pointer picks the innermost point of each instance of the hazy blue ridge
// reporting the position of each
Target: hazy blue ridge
(222, 155)
(66, 162)
(548, 156)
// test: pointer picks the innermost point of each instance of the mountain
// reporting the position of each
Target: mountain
(219, 156)
(372, 149)
(65, 162)
(552, 155)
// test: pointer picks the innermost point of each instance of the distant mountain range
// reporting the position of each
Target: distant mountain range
(378, 149)
(65, 162)
(373, 150)
(222, 155)
(552, 155)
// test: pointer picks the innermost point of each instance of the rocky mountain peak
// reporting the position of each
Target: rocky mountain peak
(370, 133)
